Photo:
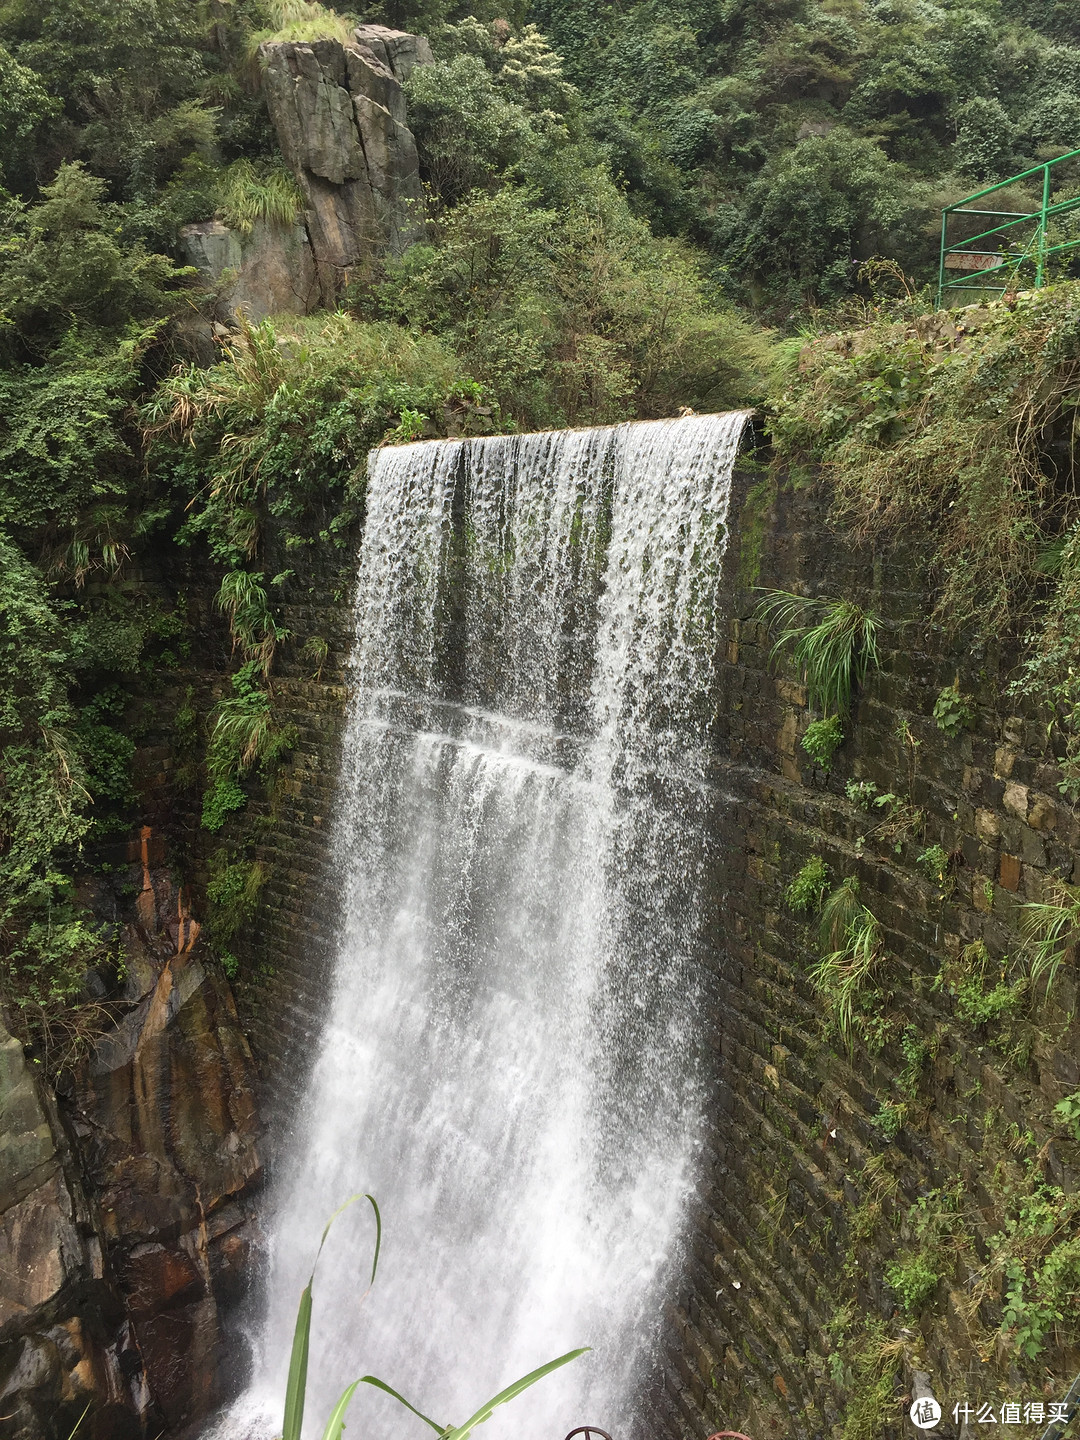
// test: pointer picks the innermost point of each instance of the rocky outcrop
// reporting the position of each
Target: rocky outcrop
(339, 112)
(270, 271)
(63, 1341)
(125, 1211)
(399, 51)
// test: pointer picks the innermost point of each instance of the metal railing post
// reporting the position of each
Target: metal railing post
(941, 260)
(1041, 266)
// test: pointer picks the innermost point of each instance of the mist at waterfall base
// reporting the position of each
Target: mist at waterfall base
(509, 1059)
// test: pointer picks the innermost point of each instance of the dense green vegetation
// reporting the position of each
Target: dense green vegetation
(632, 209)
(539, 298)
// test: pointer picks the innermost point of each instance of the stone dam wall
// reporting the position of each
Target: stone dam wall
(806, 1197)
(805, 1200)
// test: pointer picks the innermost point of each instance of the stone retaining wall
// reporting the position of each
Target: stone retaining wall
(782, 1234)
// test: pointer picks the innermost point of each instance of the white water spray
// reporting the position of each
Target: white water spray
(508, 1060)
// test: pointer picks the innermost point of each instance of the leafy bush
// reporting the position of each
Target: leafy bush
(232, 894)
(913, 1282)
(244, 734)
(301, 402)
(1067, 1113)
(806, 892)
(819, 209)
(47, 940)
(64, 269)
(953, 712)
(890, 1118)
(575, 314)
(861, 792)
(468, 132)
(1035, 1257)
(222, 798)
(934, 862)
(978, 1002)
(822, 739)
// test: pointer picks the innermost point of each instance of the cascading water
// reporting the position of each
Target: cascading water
(508, 1062)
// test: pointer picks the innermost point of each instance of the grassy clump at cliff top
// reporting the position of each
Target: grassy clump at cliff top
(956, 430)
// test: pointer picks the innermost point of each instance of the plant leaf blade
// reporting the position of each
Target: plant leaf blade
(293, 1422)
(382, 1385)
(511, 1392)
(336, 1424)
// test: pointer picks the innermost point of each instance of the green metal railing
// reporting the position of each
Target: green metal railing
(1013, 248)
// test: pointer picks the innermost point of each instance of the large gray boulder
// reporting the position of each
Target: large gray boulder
(270, 271)
(339, 112)
(399, 51)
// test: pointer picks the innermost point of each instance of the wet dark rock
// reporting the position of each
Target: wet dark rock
(126, 1217)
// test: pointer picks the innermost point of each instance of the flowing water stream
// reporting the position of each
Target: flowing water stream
(509, 1060)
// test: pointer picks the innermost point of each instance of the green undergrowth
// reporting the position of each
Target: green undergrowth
(267, 453)
(1008, 1284)
(232, 898)
(954, 432)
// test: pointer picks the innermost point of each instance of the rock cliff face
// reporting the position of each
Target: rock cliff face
(269, 272)
(125, 1210)
(339, 113)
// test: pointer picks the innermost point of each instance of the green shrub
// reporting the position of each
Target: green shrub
(890, 1118)
(822, 740)
(978, 1004)
(861, 792)
(279, 430)
(953, 712)
(913, 1282)
(818, 208)
(232, 895)
(806, 892)
(222, 798)
(47, 940)
(1035, 1259)
(916, 1051)
(245, 734)
(945, 439)
(935, 863)
(1067, 1113)
(571, 312)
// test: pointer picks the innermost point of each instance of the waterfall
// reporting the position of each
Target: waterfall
(509, 1060)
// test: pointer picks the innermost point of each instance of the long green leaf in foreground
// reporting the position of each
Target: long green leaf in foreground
(511, 1391)
(460, 1432)
(336, 1424)
(382, 1385)
(298, 1363)
(296, 1388)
